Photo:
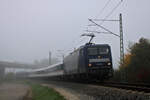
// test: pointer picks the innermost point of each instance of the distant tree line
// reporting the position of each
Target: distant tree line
(136, 66)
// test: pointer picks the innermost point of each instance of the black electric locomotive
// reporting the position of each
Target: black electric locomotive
(91, 61)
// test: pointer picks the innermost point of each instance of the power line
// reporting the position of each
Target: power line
(112, 11)
(109, 14)
(103, 28)
(83, 39)
(101, 11)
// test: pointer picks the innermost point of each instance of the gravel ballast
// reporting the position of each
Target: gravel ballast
(76, 91)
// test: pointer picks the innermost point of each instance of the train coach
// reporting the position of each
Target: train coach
(91, 61)
(46, 72)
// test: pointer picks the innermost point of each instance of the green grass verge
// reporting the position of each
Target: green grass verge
(44, 93)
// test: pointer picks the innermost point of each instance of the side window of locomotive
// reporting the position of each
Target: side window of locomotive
(81, 52)
(59, 67)
(92, 51)
(39, 72)
(103, 50)
(49, 70)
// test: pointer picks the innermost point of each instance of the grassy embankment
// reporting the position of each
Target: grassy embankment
(44, 93)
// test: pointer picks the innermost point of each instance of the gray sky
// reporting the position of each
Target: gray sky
(30, 28)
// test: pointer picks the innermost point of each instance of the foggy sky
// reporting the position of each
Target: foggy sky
(29, 29)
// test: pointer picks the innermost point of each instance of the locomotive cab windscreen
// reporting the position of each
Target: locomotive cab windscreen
(99, 56)
(96, 51)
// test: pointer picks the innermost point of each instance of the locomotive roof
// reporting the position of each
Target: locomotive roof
(88, 45)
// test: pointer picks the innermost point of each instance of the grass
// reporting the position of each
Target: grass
(44, 93)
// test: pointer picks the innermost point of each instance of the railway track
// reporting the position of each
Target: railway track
(102, 91)
(128, 86)
(138, 87)
(105, 90)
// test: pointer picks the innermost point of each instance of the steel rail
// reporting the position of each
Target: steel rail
(128, 86)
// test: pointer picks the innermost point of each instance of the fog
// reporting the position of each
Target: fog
(29, 29)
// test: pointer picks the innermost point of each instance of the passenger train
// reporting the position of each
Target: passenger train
(90, 62)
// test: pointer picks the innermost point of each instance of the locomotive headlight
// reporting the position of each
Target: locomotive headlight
(90, 65)
(109, 63)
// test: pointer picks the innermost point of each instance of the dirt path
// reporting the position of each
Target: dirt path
(69, 93)
(13, 91)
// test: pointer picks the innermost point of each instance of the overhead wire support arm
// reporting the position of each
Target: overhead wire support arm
(112, 20)
(97, 32)
(103, 28)
(105, 20)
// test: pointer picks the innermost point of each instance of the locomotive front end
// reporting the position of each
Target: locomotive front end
(99, 61)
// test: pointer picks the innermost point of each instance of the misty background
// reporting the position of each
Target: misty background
(29, 29)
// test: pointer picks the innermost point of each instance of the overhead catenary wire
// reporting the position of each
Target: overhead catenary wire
(75, 41)
(111, 12)
(72, 43)
(102, 10)
(103, 28)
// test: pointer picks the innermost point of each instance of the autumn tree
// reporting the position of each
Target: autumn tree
(137, 62)
(139, 66)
